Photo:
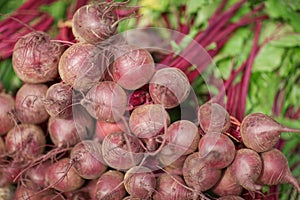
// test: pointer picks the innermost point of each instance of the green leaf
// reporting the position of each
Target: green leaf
(57, 9)
(262, 92)
(284, 10)
(7, 7)
(268, 59)
(8, 77)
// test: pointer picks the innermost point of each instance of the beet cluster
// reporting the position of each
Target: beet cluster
(96, 120)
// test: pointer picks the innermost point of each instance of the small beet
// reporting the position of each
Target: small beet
(169, 87)
(140, 182)
(246, 168)
(25, 142)
(88, 161)
(84, 71)
(106, 101)
(147, 121)
(110, 186)
(94, 23)
(29, 104)
(122, 151)
(198, 174)
(63, 132)
(35, 58)
(276, 170)
(171, 188)
(133, 68)
(217, 149)
(260, 132)
(58, 101)
(213, 117)
(62, 176)
(227, 185)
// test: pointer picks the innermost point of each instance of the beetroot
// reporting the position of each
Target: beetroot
(84, 71)
(147, 121)
(25, 142)
(62, 176)
(275, 170)
(63, 132)
(182, 139)
(29, 105)
(140, 182)
(110, 186)
(227, 185)
(24, 193)
(217, 149)
(198, 174)
(171, 188)
(35, 176)
(7, 104)
(121, 151)
(260, 132)
(213, 117)
(169, 87)
(35, 58)
(133, 68)
(58, 101)
(106, 101)
(88, 161)
(94, 23)
(246, 168)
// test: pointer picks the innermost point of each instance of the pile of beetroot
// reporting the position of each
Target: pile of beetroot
(95, 120)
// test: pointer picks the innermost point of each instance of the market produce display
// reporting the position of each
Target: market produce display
(99, 116)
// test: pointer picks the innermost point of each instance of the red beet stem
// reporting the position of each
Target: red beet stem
(246, 77)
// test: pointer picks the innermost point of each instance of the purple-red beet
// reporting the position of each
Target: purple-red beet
(7, 104)
(133, 68)
(183, 136)
(227, 185)
(106, 101)
(62, 176)
(35, 58)
(94, 23)
(82, 65)
(110, 186)
(88, 161)
(217, 149)
(147, 121)
(25, 142)
(182, 139)
(213, 117)
(24, 193)
(9, 173)
(63, 132)
(171, 188)
(260, 132)
(34, 178)
(140, 182)
(122, 151)
(275, 170)
(58, 101)
(198, 174)
(29, 104)
(246, 168)
(169, 87)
